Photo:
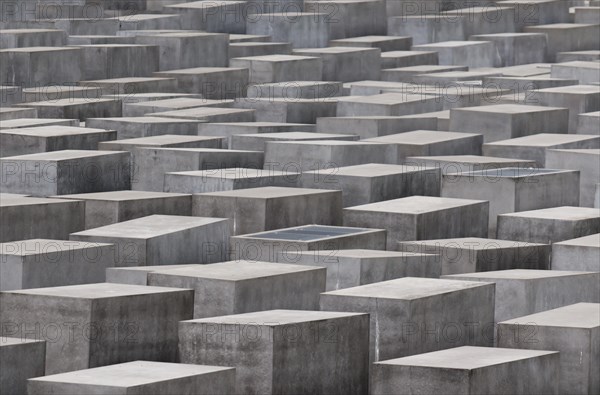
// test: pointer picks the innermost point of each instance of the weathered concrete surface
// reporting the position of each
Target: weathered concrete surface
(522, 292)
(573, 330)
(422, 218)
(142, 376)
(237, 287)
(397, 309)
(163, 240)
(37, 263)
(276, 351)
(351, 268)
(467, 370)
(472, 254)
(21, 359)
(147, 314)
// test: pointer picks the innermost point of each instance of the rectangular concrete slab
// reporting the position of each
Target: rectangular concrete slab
(163, 239)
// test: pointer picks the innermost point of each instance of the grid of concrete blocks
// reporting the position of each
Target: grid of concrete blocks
(300, 197)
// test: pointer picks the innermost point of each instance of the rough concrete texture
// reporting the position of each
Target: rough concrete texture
(572, 330)
(257, 155)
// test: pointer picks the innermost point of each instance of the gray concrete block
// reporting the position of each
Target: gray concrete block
(577, 98)
(406, 74)
(134, 127)
(217, 180)
(506, 121)
(374, 126)
(467, 53)
(279, 68)
(564, 37)
(587, 123)
(105, 208)
(467, 370)
(522, 292)
(246, 49)
(257, 142)
(118, 60)
(350, 18)
(277, 351)
(268, 208)
(165, 140)
(9, 113)
(373, 182)
(30, 218)
(40, 139)
(462, 164)
(431, 142)
(136, 275)
(267, 246)
(34, 66)
(163, 240)
(422, 218)
(150, 162)
(56, 92)
(38, 263)
(126, 87)
(21, 359)
(172, 104)
(411, 315)
(66, 172)
(587, 162)
(93, 325)
(300, 156)
(235, 128)
(209, 114)
(394, 59)
(282, 110)
(351, 268)
(237, 287)
(36, 122)
(549, 225)
(308, 30)
(582, 253)
(572, 330)
(187, 50)
(347, 63)
(388, 104)
(211, 82)
(584, 72)
(515, 189)
(536, 146)
(425, 28)
(141, 377)
(384, 43)
(294, 90)
(226, 17)
(77, 108)
(587, 56)
(517, 48)
(19, 38)
(472, 254)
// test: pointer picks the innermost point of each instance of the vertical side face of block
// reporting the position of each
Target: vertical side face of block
(11, 270)
(298, 291)
(405, 380)
(247, 347)
(20, 360)
(539, 374)
(138, 327)
(304, 351)
(100, 213)
(575, 345)
(468, 220)
(64, 323)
